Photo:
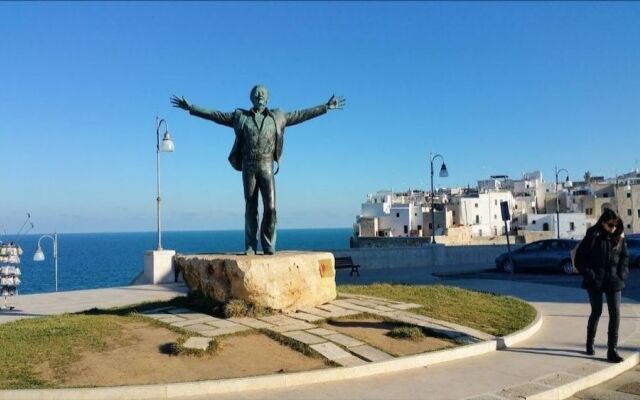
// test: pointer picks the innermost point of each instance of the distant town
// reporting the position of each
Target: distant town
(537, 209)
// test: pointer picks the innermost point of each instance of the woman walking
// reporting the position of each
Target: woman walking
(603, 260)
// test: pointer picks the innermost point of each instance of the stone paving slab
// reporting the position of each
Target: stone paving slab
(298, 326)
(321, 331)
(304, 337)
(605, 394)
(251, 322)
(198, 327)
(223, 331)
(406, 306)
(350, 361)
(279, 320)
(317, 311)
(354, 307)
(335, 311)
(330, 351)
(194, 315)
(344, 340)
(170, 319)
(306, 317)
(197, 343)
(188, 322)
(221, 323)
(158, 315)
(370, 353)
(364, 303)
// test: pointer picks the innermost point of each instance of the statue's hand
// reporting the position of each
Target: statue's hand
(336, 102)
(180, 102)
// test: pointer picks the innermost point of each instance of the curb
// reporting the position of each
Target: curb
(571, 388)
(222, 386)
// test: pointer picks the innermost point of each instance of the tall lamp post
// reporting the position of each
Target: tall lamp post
(568, 184)
(165, 147)
(443, 174)
(39, 254)
(629, 189)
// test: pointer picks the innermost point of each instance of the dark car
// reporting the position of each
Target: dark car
(633, 244)
(552, 254)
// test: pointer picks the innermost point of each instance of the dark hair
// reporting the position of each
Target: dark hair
(610, 215)
(607, 215)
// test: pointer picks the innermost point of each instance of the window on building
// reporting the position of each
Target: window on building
(629, 212)
(453, 212)
(638, 213)
(629, 195)
(476, 205)
(495, 216)
(419, 227)
(430, 226)
(572, 226)
(478, 220)
(533, 210)
(533, 222)
(415, 214)
(495, 202)
(406, 229)
(605, 195)
(628, 226)
(397, 215)
(515, 206)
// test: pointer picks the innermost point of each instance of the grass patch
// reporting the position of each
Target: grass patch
(406, 332)
(243, 308)
(58, 340)
(488, 312)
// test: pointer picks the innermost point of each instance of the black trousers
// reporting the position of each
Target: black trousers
(257, 178)
(613, 304)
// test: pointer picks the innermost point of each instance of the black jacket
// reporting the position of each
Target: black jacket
(604, 267)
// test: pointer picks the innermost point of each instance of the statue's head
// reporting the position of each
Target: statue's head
(259, 97)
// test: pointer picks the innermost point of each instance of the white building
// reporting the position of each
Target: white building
(572, 225)
(483, 212)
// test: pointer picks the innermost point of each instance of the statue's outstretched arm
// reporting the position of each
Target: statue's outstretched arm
(222, 118)
(296, 117)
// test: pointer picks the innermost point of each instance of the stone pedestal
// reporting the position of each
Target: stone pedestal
(286, 281)
(158, 266)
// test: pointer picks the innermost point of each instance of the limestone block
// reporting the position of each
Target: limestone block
(286, 281)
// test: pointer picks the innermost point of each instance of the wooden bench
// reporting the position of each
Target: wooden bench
(347, 262)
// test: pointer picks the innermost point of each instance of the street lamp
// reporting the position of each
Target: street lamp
(166, 147)
(443, 174)
(39, 254)
(568, 184)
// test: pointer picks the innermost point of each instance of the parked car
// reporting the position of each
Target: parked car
(551, 254)
(633, 244)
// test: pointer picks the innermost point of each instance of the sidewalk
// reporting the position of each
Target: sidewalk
(35, 305)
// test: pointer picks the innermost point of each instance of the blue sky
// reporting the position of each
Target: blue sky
(496, 88)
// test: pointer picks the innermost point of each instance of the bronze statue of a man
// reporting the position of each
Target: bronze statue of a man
(258, 144)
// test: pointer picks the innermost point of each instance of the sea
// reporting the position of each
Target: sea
(101, 260)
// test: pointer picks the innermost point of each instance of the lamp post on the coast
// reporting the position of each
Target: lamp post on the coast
(443, 174)
(39, 254)
(568, 184)
(166, 147)
(158, 264)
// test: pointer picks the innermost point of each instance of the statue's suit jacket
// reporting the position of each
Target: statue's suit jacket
(238, 119)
